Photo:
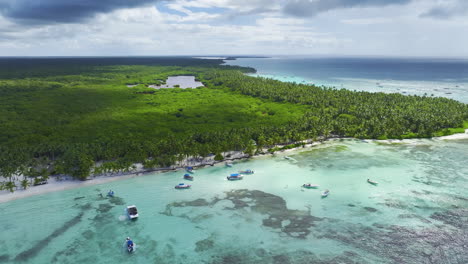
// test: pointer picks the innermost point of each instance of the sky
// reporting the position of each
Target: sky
(434, 28)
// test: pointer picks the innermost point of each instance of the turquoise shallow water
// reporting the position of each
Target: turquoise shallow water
(418, 213)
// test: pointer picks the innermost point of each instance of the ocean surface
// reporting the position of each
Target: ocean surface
(415, 76)
(417, 213)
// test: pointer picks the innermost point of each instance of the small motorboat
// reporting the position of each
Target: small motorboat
(289, 158)
(325, 193)
(188, 177)
(310, 186)
(182, 186)
(372, 182)
(190, 170)
(229, 164)
(132, 212)
(130, 245)
(235, 177)
(248, 171)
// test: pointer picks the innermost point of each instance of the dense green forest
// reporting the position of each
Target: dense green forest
(62, 116)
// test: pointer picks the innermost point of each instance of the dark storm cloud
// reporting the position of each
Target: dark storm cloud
(61, 11)
(304, 8)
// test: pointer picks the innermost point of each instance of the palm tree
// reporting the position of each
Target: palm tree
(10, 186)
(25, 183)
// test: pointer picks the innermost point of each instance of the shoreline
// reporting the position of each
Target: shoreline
(55, 185)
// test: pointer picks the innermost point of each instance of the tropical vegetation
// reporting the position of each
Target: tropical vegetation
(99, 115)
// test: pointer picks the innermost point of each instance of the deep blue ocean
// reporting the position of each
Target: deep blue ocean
(430, 76)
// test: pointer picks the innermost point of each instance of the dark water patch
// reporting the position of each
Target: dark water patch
(200, 218)
(228, 259)
(398, 244)
(204, 245)
(85, 207)
(294, 223)
(393, 203)
(455, 218)
(88, 234)
(460, 198)
(370, 209)
(194, 203)
(351, 205)
(116, 200)
(422, 192)
(27, 254)
(281, 259)
(378, 225)
(104, 208)
(70, 252)
(4, 258)
(406, 216)
(427, 207)
(261, 256)
(168, 252)
(78, 198)
(260, 252)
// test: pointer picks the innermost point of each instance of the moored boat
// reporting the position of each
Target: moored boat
(289, 158)
(188, 177)
(130, 245)
(229, 164)
(132, 212)
(190, 170)
(372, 182)
(235, 176)
(182, 186)
(325, 193)
(310, 186)
(248, 171)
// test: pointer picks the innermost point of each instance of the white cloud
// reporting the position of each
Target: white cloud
(202, 28)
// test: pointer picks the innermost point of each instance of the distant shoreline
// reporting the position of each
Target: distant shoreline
(56, 185)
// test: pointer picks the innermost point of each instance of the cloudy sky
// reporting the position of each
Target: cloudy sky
(195, 27)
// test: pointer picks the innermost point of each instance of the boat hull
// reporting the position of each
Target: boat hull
(183, 187)
(372, 182)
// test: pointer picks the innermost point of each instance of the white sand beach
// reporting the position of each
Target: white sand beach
(55, 185)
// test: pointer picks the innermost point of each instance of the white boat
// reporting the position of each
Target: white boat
(183, 186)
(248, 171)
(325, 193)
(235, 177)
(228, 164)
(132, 212)
(372, 182)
